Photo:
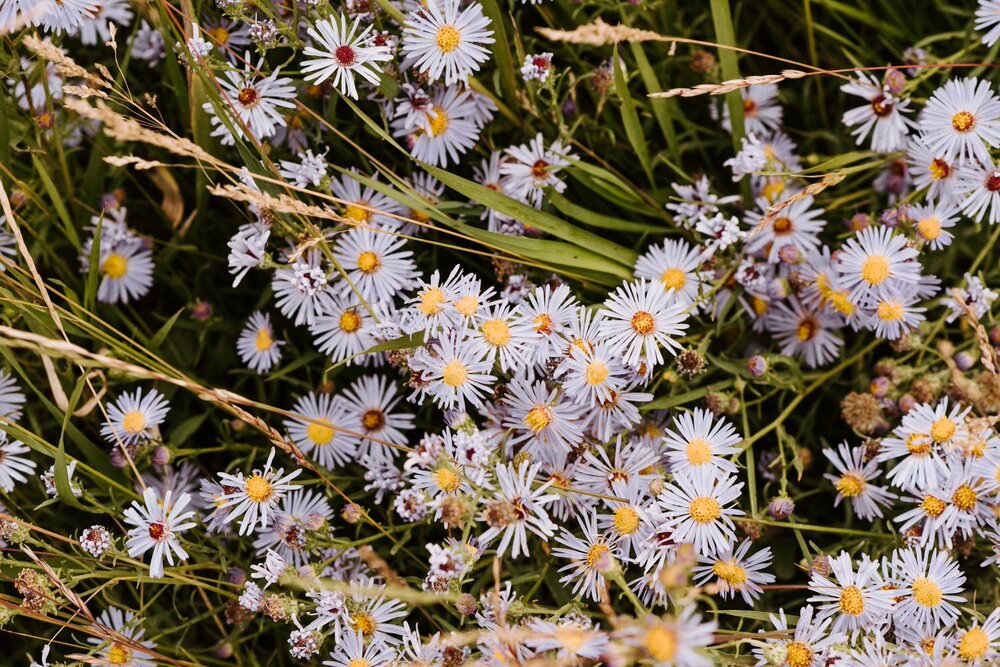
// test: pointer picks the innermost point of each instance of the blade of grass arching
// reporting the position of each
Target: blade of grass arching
(60, 469)
(609, 191)
(592, 219)
(161, 334)
(93, 270)
(533, 217)
(662, 108)
(501, 53)
(863, 16)
(392, 10)
(57, 201)
(630, 115)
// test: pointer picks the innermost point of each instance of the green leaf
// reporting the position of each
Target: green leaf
(161, 335)
(587, 217)
(186, 428)
(661, 106)
(666, 402)
(57, 201)
(93, 268)
(60, 467)
(401, 343)
(501, 53)
(630, 116)
(532, 217)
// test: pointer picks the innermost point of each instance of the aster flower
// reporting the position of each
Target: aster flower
(14, 468)
(854, 481)
(310, 169)
(762, 113)
(932, 581)
(454, 373)
(345, 330)
(247, 249)
(132, 418)
(542, 418)
(873, 257)
(698, 507)
(962, 120)
(734, 572)
(12, 399)
(302, 290)
(589, 558)
(114, 624)
(374, 421)
(443, 40)
(700, 441)
(807, 647)
(253, 102)
(376, 264)
(93, 27)
(856, 600)
(156, 525)
(803, 333)
(979, 184)
(530, 168)
(254, 498)
(675, 264)
(641, 318)
(988, 20)
(319, 429)
(797, 225)
(933, 172)
(257, 346)
(980, 642)
(517, 508)
(345, 52)
(672, 641)
(882, 116)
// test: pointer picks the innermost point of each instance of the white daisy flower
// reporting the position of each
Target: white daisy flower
(854, 481)
(762, 113)
(616, 414)
(365, 206)
(257, 345)
(981, 642)
(442, 40)
(808, 645)
(632, 463)
(93, 28)
(631, 520)
(641, 317)
(698, 506)
(857, 601)
(700, 441)
(931, 223)
(345, 330)
(932, 582)
(882, 116)
(810, 335)
(353, 651)
(962, 120)
(570, 640)
(432, 308)
(589, 557)
(156, 525)
(113, 623)
(517, 508)
(798, 225)
(375, 263)
(247, 249)
(253, 102)
(372, 417)
(979, 185)
(593, 377)
(987, 20)
(545, 419)
(734, 572)
(14, 468)
(255, 497)
(12, 399)
(126, 272)
(302, 514)
(133, 417)
(446, 129)
(874, 256)
(894, 311)
(58, 16)
(344, 53)
(454, 373)
(933, 172)
(301, 291)
(320, 428)
(677, 641)
(502, 336)
(548, 312)
(675, 265)
(309, 170)
(530, 168)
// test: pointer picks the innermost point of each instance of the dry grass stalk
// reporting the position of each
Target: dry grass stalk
(731, 85)
(986, 351)
(812, 189)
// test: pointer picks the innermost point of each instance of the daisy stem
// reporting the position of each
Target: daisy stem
(617, 577)
(820, 529)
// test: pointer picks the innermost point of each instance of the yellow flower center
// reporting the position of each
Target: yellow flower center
(118, 655)
(705, 509)
(963, 121)
(538, 418)
(595, 553)
(926, 592)
(373, 420)
(851, 485)
(597, 373)
(264, 340)
(918, 444)
(258, 488)
(220, 34)
(363, 623)
(543, 324)
(467, 305)
(448, 38)
(455, 373)
(115, 266)
(432, 301)
(357, 214)
(806, 330)
(929, 228)
(359, 662)
(933, 506)
(368, 261)
(350, 321)
(572, 637)
(730, 572)
(964, 498)
(643, 323)
(496, 332)
(889, 311)
(974, 644)
(852, 602)
(773, 189)
(938, 169)
(626, 520)
(841, 303)
(782, 226)
(447, 480)
(673, 279)
(875, 269)
(699, 452)
(439, 122)
(661, 643)
(942, 430)
(134, 422)
(798, 654)
(321, 433)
